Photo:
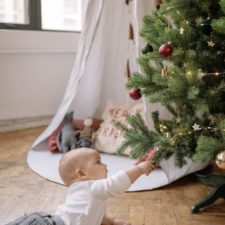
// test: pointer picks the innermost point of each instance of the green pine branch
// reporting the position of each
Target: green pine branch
(207, 148)
(137, 136)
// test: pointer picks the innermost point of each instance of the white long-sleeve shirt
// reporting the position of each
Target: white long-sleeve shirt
(85, 201)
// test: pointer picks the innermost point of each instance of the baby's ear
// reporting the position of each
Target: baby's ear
(80, 173)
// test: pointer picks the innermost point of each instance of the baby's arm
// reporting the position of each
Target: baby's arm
(119, 182)
(145, 167)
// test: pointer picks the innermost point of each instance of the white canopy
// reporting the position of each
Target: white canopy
(99, 74)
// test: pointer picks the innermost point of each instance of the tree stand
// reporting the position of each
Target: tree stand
(217, 181)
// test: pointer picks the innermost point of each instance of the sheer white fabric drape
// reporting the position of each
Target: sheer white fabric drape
(98, 75)
(99, 71)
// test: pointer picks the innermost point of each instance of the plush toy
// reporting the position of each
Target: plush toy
(66, 140)
(86, 136)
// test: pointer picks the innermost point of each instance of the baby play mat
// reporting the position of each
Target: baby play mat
(45, 163)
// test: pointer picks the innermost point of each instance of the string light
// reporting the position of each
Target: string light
(192, 131)
(186, 21)
(215, 73)
(201, 74)
(162, 127)
(189, 73)
(210, 43)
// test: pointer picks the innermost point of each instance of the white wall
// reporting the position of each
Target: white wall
(34, 70)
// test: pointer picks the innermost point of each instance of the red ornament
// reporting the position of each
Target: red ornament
(165, 50)
(135, 93)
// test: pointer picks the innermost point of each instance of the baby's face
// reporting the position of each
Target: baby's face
(94, 167)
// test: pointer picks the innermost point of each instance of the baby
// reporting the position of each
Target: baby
(85, 174)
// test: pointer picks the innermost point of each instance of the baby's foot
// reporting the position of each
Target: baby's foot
(119, 222)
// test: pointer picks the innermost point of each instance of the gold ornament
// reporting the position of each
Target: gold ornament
(220, 160)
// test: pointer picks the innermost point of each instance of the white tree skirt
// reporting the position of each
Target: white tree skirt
(45, 164)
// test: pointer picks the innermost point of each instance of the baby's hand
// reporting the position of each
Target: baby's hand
(146, 167)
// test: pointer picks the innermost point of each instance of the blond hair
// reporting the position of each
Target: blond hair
(70, 162)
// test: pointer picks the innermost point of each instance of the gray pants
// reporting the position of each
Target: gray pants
(37, 218)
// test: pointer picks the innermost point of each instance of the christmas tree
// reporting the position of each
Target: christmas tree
(183, 68)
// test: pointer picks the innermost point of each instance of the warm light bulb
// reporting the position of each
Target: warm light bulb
(189, 73)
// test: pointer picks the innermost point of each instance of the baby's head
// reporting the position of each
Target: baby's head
(81, 164)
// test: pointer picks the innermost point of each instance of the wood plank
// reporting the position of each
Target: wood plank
(23, 191)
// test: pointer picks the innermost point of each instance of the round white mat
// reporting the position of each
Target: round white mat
(45, 163)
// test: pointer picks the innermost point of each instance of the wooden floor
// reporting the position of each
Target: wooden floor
(22, 191)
